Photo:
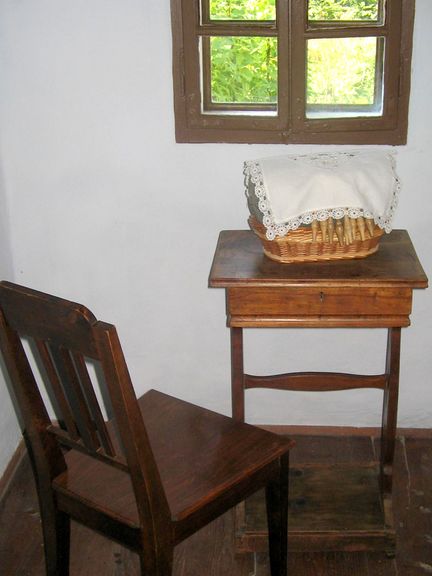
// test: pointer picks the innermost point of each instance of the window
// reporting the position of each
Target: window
(292, 71)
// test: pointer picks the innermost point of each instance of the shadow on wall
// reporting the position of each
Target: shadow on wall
(9, 431)
(4, 375)
(6, 267)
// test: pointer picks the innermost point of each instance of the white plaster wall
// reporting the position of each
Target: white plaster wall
(107, 209)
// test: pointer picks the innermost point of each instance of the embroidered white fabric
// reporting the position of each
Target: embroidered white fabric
(295, 190)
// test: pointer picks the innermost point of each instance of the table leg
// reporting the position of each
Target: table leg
(237, 374)
(390, 406)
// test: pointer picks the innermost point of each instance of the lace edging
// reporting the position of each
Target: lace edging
(253, 173)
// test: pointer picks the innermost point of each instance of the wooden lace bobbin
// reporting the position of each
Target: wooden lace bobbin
(304, 244)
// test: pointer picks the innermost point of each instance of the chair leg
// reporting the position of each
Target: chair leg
(56, 536)
(277, 520)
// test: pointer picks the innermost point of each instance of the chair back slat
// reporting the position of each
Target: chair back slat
(67, 417)
(93, 404)
(71, 385)
(78, 406)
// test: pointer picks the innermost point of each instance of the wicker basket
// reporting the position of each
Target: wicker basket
(297, 245)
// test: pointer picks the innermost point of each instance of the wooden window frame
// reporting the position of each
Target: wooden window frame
(290, 124)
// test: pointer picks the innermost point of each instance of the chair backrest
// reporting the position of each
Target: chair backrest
(49, 341)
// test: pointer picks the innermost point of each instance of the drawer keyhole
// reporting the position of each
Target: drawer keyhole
(321, 296)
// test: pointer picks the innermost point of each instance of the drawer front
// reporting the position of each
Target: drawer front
(320, 301)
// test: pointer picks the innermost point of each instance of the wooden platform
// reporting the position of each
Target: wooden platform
(211, 552)
(332, 508)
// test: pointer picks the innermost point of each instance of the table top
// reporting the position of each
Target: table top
(239, 260)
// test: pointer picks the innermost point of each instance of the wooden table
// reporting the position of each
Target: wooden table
(374, 292)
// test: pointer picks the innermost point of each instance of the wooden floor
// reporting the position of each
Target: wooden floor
(211, 552)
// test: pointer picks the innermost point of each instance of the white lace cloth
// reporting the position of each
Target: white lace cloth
(295, 190)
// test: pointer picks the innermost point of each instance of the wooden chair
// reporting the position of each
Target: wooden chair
(149, 477)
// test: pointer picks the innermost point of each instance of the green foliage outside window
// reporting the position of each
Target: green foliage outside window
(242, 9)
(343, 10)
(341, 71)
(244, 69)
(317, 9)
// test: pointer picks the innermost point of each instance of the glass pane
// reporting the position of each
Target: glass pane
(344, 76)
(243, 70)
(242, 9)
(344, 10)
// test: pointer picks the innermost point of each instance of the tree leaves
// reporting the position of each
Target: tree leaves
(353, 10)
(242, 10)
(341, 71)
(244, 69)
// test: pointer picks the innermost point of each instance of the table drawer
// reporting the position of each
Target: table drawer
(320, 301)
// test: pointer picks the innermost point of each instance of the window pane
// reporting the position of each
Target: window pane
(242, 9)
(343, 10)
(344, 77)
(243, 70)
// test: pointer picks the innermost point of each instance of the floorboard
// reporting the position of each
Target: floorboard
(211, 552)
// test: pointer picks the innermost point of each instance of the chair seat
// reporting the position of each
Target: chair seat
(207, 455)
